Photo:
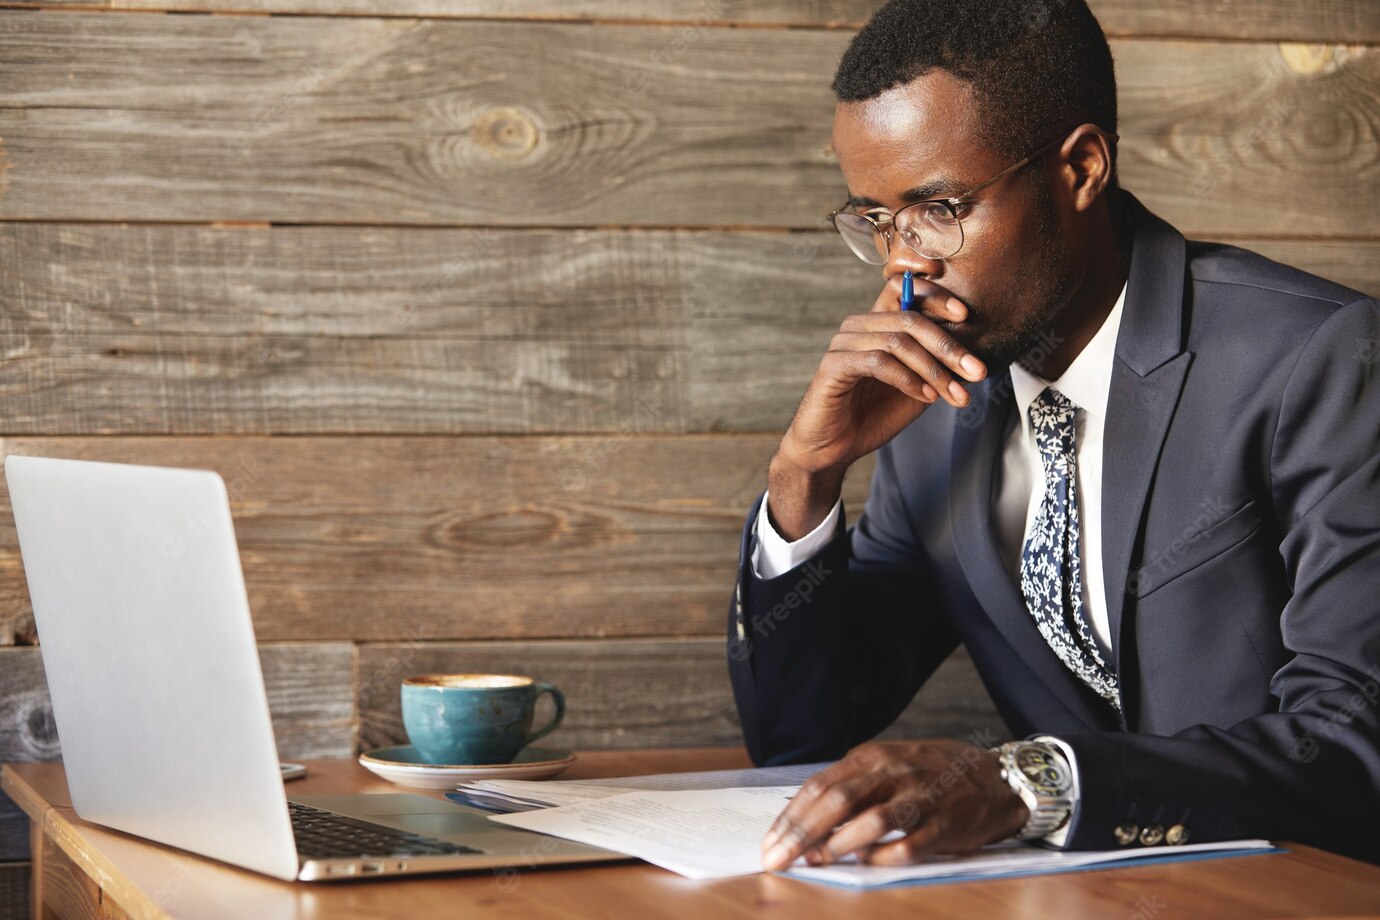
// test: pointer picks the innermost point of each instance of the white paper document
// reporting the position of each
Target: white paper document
(698, 834)
(510, 795)
(1005, 858)
(717, 833)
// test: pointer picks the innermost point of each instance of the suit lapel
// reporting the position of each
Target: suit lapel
(1147, 378)
(979, 437)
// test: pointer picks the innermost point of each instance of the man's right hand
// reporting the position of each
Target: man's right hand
(882, 370)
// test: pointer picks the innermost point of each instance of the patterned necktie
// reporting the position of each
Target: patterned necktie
(1051, 576)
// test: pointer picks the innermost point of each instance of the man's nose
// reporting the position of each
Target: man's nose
(901, 258)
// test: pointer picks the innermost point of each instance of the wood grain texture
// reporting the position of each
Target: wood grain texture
(311, 700)
(69, 892)
(1320, 21)
(639, 694)
(150, 880)
(291, 330)
(340, 330)
(68, 885)
(360, 120)
(417, 539)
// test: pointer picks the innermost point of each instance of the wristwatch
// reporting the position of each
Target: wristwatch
(1038, 772)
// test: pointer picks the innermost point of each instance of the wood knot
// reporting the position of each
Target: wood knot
(1308, 59)
(516, 527)
(40, 729)
(505, 133)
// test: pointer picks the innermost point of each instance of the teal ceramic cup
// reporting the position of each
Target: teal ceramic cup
(474, 718)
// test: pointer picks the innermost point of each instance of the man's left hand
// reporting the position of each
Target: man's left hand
(945, 796)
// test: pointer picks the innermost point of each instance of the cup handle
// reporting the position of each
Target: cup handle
(558, 698)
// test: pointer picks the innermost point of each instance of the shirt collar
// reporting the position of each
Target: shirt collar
(1087, 379)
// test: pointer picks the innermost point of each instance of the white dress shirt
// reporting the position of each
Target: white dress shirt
(1086, 382)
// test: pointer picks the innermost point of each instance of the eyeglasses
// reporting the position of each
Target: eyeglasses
(932, 227)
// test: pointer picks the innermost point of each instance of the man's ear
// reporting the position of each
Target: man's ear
(1086, 165)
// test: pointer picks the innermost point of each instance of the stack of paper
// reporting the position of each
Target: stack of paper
(699, 834)
(1011, 858)
(513, 795)
(717, 833)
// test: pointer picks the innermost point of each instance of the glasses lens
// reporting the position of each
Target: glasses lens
(862, 237)
(930, 228)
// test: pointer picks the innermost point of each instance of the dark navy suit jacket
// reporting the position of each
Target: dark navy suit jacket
(1241, 554)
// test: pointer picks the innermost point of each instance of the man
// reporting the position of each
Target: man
(1138, 478)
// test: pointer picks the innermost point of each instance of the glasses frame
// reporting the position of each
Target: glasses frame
(884, 226)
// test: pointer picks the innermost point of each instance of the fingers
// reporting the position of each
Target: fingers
(849, 366)
(925, 840)
(863, 831)
(930, 299)
(828, 799)
(928, 351)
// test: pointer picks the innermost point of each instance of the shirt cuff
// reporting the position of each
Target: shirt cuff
(773, 556)
(1059, 837)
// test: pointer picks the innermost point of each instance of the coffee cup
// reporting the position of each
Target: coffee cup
(474, 718)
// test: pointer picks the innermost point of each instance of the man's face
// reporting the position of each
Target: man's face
(1018, 266)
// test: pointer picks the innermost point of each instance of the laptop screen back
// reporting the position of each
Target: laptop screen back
(146, 637)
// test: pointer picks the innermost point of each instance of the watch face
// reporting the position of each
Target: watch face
(1049, 775)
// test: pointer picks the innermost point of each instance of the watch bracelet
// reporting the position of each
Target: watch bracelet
(1039, 824)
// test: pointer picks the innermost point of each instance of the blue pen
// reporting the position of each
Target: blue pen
(907, 291)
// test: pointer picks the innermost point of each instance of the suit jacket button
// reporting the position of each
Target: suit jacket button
(1151, 834)
(1126, 833)
(1176, 834)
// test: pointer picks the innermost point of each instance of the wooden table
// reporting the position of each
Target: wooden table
(83, 870)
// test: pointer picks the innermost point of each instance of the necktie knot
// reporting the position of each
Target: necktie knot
(1051, 418)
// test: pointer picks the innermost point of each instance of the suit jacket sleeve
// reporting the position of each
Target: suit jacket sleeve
(826, 655)
(1310, 771)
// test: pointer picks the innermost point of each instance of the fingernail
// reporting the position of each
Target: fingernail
(972, 365)
(776, 857)
(956, 388)
(956, 307)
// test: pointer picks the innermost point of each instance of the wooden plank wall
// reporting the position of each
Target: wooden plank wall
(491, 314)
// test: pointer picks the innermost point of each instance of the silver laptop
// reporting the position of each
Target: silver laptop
(147, 641)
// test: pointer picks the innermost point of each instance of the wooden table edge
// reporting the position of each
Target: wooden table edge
(61, 824)
(54, 823)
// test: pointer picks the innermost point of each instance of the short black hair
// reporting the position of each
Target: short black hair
(1036, 66)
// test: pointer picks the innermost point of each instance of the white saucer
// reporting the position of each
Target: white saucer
(404, 766)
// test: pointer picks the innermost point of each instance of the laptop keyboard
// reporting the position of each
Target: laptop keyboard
(326, 835)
